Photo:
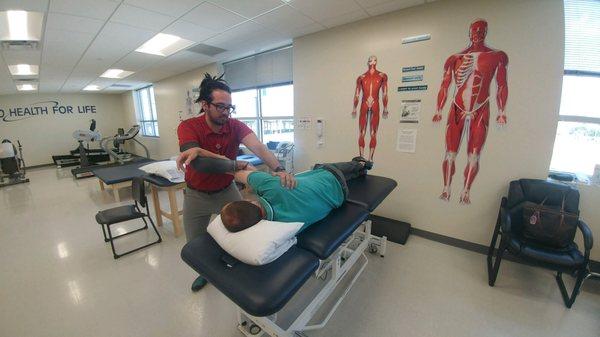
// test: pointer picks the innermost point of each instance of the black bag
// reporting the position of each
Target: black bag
(549, 225)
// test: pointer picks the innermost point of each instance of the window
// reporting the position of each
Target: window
(145, 108)
(577, 144)
(263, 93)
(269, 111)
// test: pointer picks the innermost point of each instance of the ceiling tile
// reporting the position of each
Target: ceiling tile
(210, 16)
(248, 9)
(72, 23)
(370, 3)
(392, 6)
(7, 85)
(117, 40)
(319, 10)
(175, 8)
(189, 31)
(97, 9)
(21, 56)
(26, 5)
(137, 61)
(239, 34)
(284, 17)
(64, 48)
(141, 18)
(152, 74)
(344, 18)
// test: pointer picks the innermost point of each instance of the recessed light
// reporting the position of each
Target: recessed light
(21, 25)
(116, 73)
(27, 86)
(164, 45)
(23, 69)
(92, 87)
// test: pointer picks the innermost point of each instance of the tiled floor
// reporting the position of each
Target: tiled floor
(58, 278)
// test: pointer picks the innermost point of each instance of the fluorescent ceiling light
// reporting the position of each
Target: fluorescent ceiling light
(27, 86)
(17, 25)
(92, 87)
(23, 69)
(164, 45)
(21, 25)
(116, 73)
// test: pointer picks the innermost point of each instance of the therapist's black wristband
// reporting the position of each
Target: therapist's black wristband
(279, 169)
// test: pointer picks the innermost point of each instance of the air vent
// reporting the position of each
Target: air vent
(205, 49)
(20, 45)
(26, 81)
(120, 86)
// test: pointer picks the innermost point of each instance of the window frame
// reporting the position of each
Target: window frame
(137, 97)
(570, 71)
(259, 118)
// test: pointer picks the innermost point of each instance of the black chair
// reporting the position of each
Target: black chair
(509, 227)
(120, 214)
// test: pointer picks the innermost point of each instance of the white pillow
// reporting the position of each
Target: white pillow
(166, 169)
(259, 244)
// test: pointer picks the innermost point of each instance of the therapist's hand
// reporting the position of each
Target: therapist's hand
(287, 179)
(186, 157)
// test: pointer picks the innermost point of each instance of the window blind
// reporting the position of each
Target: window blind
(260, 70)
(582, 35)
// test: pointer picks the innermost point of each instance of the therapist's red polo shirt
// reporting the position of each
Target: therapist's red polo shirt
(195, 132)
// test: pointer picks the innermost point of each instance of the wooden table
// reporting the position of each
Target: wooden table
(118, 177)
(174, 211)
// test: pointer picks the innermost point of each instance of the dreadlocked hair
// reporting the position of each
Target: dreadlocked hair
(210, 84)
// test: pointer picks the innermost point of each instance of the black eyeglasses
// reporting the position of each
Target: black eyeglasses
(222, 108)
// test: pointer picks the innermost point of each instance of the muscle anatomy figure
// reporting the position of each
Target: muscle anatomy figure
(473, 70)
(370, 84)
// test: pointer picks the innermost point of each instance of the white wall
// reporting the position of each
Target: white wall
(170, 96)
(50, 134)
(327, 63)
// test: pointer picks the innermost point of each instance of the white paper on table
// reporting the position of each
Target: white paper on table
(407, 140)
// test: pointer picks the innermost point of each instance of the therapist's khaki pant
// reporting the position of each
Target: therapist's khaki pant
(198, 207)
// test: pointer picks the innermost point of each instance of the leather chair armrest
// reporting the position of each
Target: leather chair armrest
(505, 220)
(588, 239)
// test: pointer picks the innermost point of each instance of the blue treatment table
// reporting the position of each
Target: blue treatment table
(332, 245)
(252, 159)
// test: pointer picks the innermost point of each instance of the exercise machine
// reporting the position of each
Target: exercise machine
(117, 156)
(83, 155)
(12, 165)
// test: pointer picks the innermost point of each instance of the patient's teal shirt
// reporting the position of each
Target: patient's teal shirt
(317, 192)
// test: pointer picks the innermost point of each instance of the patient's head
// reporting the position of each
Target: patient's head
(239, 215)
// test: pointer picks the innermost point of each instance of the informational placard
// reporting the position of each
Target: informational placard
(412, 78)
(412, 68)
(412, 88)
(407, 140)
(417, 38)
(410, 110)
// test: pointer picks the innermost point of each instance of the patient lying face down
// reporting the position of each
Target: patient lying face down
(317, 192)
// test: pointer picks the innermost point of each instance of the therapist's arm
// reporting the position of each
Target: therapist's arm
(220, 165)
(259, 149)
(187, 156)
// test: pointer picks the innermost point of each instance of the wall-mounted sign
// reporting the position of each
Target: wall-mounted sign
(407, 140)
(412, 78)
(416, 38)
(413, 68)
(46, 108)
(413, 88)
(410, 110)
